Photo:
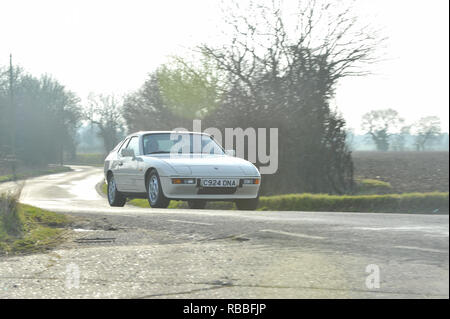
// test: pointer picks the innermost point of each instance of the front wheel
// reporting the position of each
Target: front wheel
(247, 204)
(155, 195)
(115, 198)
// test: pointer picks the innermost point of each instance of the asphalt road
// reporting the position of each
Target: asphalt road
(157, 253)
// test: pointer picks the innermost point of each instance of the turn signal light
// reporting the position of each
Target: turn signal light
(190, 181)
(254, 181)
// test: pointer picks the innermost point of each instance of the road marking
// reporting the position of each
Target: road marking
(188, 222)
(423, 249)
(290, 234)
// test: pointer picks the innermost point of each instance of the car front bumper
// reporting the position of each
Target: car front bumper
(194, 191)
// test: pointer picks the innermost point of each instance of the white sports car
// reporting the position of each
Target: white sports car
(188, 166)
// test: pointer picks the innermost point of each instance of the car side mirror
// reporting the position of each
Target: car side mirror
(127, 152)
(230, 152)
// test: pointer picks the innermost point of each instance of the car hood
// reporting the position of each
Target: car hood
(209, 165)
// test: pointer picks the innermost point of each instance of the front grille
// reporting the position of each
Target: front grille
(216, 190)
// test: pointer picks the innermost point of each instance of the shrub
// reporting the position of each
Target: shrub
(9, 217)
(26, 229)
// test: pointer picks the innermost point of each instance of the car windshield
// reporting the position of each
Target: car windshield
(180, 143)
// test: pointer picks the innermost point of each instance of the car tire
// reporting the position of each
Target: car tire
(115, 198)
(155, 195)
(247, 204)
(197, 204)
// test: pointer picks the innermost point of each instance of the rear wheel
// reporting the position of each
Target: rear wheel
(197, 204)
(115, 198)
(155, 195)
(247, 204)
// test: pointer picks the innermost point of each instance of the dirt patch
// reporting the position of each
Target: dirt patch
(405, 171)
(93, 223)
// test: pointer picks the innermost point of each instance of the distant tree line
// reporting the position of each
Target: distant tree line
(388, 131)
(38, 118)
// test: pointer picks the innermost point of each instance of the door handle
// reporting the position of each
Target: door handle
(120, 163)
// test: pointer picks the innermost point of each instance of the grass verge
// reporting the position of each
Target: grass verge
(418, 203)
(368, 186)
(27, 229)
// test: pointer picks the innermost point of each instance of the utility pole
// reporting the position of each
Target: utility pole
(13, 118)
(61, 139)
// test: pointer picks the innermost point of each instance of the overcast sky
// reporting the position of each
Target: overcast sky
(110, 46)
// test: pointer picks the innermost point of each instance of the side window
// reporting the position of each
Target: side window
(134, 145)
(116, 148)
(124, 144)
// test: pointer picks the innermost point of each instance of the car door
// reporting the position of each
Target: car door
(117, 167)
(129, 168)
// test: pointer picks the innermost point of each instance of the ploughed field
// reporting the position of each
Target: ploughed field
(405, 171)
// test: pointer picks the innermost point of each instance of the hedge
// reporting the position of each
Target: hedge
(434, 203)
(389, 203)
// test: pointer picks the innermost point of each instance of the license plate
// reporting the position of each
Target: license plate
(219, 182)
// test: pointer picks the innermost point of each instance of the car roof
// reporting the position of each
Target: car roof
(169, 132)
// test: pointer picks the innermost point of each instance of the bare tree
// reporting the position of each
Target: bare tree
(379, 125)
(282, 67)
(398, 140)
(428, 131)
(104, 111)
(269, 38)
